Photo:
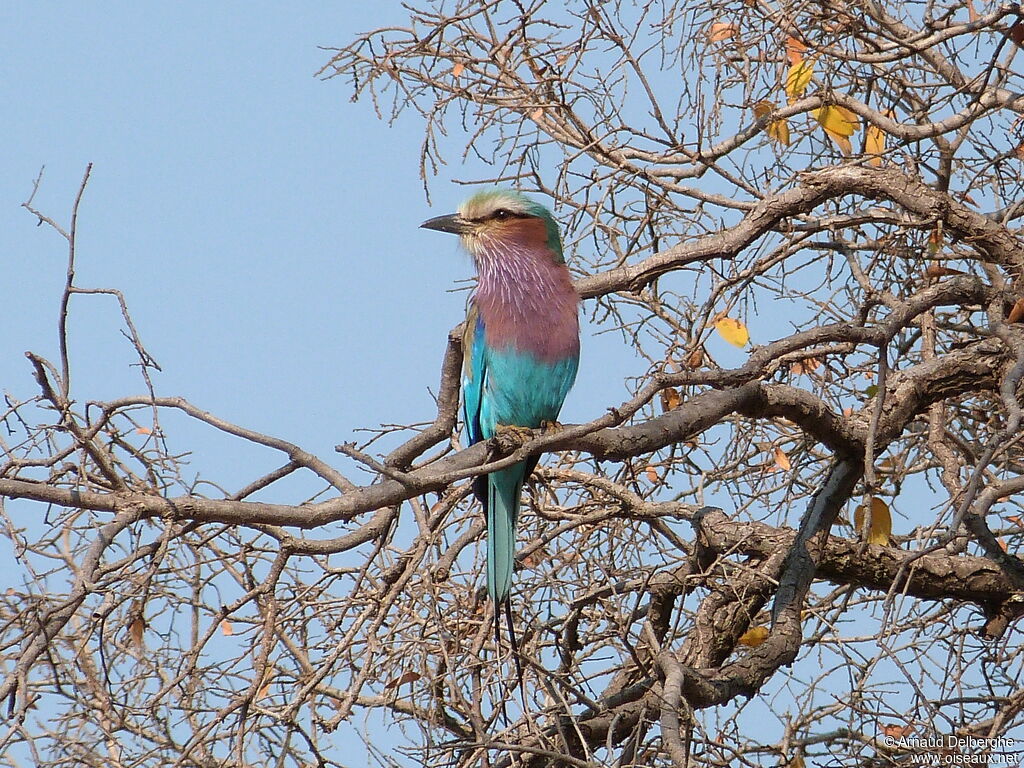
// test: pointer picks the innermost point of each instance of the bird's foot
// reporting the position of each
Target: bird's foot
(550, 427)
(510, 437)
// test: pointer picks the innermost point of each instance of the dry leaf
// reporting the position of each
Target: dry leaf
(408, 677)
(753, 637)
(880, 527)
(1017, 313)
(781, 459)
(848, 411)
(805, 366)
(1016, 520)
(458, 68)
(1016, 33)
(670, 398)
(652, 473)
(1002, 543)
(136, 629)
(797, 761)
(937, 270)
(935, 239)
(537, 114)
(535, 558)
(721, 30)
(776, 129)
(144, 430)
(797, 79)
(695, 359)
(894, 731)
(733, 331)
(268, 678)
(794, 50)
(226, 629)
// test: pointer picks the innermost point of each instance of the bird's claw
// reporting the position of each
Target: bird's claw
(511, 437)
(513, 431)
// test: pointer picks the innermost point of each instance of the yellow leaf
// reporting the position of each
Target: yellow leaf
(839, 123)
(226, 629)
(776, 129)
(781, 459)
(733, 331)
(753, 637)
(874, 144)
(837, 119)
(874, 141)
(458, 68)
(798, 78)
(880, 527)
(779, 130)
(720, 31)
(670, 398)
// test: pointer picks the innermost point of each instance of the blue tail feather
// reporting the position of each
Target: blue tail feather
(504, 489)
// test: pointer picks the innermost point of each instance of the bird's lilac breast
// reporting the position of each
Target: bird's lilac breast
(533, 310)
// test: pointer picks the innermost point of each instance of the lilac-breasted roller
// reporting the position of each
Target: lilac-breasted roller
(521, 346)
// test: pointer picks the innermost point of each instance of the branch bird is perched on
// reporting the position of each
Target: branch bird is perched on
(521, 348)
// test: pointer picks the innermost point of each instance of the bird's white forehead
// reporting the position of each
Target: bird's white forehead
(483, 204)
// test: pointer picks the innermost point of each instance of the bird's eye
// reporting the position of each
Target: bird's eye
(501, 214)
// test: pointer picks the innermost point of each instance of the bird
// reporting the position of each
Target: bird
(521, 349)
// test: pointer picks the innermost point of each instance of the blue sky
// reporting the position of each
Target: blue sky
(263, 228)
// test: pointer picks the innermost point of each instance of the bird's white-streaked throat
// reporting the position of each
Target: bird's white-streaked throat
(526, 282)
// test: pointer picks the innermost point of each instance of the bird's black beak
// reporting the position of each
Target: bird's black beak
(450, 223)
